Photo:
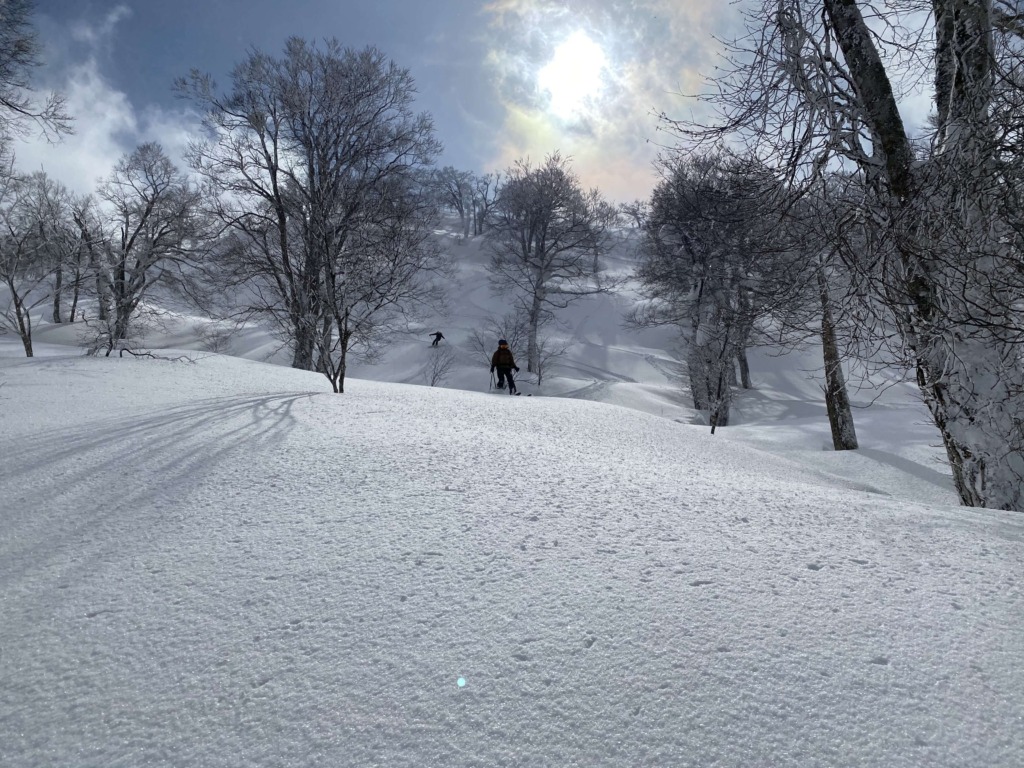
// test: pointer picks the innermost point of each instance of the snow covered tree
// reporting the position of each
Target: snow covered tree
(457, 191)
(485, 195)
(389, 270)
(54, 210)
(546, 240)
(148, 230)
(714, 262)
(818, 227)
(26, 263)
(38, 242)
(815, 86)
(248, 164)
(303, 153)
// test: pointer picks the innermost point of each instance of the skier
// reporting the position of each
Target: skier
(503, 361)
(437, 337)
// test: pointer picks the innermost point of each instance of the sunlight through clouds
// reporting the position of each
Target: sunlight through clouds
(587, 79)
(573, 77)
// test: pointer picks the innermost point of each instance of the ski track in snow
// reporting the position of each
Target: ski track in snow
(222, 564)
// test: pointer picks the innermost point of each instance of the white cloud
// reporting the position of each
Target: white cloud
(101, 34)
(107, 124)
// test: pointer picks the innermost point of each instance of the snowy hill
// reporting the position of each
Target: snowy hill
(221, 563)
(216, 561)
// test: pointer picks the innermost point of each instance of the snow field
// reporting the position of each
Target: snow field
(223, 564)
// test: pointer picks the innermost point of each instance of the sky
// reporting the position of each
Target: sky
(210, 560)
(503, 79)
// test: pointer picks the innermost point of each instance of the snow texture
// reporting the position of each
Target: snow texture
(224, 564)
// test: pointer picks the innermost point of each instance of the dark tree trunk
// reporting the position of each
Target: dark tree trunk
(58, 286)
(74, 296)
(741, 359)
(986, 471)
(837, 400)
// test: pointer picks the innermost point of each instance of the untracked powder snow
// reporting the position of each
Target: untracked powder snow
(219, 562)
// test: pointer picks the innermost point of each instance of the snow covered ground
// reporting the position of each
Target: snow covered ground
(218, 562)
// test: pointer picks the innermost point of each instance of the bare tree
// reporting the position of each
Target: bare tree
(512, 326)
(819, 86)
(547, 238)
(388, 275)
(715, 262)
(56, 229)
(305, 151)
(148, 231)
(549, 349)
(486, 189)
(25, 262)
(457, 190)
(19, 56)
(817, 228)
(248, 164)
(440, 361)
(636, 212)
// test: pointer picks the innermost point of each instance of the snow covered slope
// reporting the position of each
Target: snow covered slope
(220, 563)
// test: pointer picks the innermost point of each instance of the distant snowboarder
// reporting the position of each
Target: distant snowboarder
(437, 337)
(504, 363)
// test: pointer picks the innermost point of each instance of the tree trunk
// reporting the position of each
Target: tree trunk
(122, 323)
(697, 372)
(305, 329)
(721, 370)
(58, 285)
(101, 298)
(344, 336)
(837, 399)
(966, 376)
(719, 416)
(741, 358)
(23, 319)
(532, 346)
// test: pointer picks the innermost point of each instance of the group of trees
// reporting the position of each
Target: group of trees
(716, 264)
(470, 195)
(913, 243)
(321, 173)
(141, 227)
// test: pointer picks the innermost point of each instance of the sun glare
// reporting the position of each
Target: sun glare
(573, 76)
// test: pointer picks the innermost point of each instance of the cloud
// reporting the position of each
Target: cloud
(107, 124)
(100, 34)
(653, 50)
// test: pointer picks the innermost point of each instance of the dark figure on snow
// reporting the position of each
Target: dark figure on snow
(437, 337)
(503, 362)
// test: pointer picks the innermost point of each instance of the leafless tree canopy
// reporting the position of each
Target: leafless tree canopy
(814, 91)
(547, 236)
(717, 261)
(319, 168)
(19, 57)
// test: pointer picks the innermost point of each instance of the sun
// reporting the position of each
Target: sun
(573, 76)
